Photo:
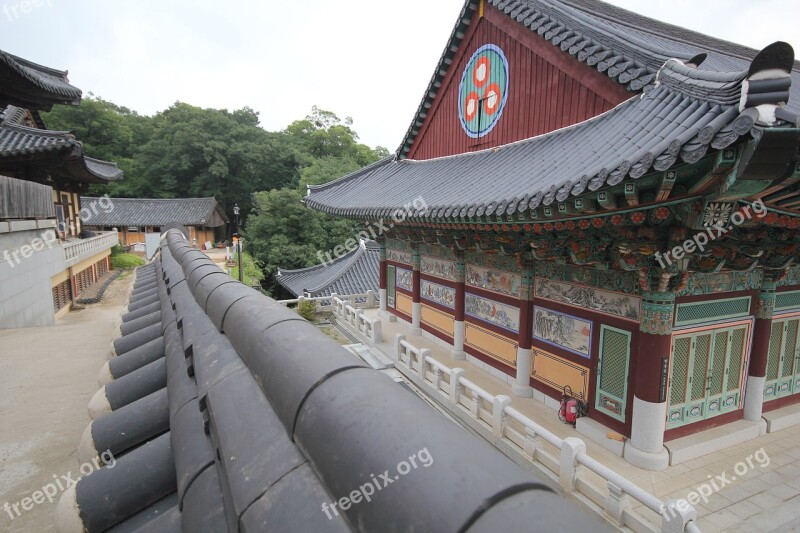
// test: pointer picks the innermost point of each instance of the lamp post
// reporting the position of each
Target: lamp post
(238, 242)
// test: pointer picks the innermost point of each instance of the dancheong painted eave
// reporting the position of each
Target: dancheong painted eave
(688, 114)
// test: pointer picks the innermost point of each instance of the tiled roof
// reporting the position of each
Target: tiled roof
(34, 86)
(628, 47)
(159, 212)
(688, 113)
(354, 273)
(18, 141)
(219, 418)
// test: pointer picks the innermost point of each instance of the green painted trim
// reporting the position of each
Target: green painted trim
(390, 278)
(598, 397)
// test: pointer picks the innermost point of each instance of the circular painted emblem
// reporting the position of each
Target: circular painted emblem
(483, 90)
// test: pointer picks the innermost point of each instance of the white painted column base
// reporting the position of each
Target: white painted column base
(383, 296)
(646, 449)
(754, 398)
(522, 385)
(459, 333)
(416, 313)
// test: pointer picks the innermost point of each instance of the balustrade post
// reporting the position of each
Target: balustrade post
(499, 404)
(455, 386)
(398, 339)
(617, 502)
(568, 471)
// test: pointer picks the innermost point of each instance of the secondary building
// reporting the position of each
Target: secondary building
(133, 218)
(595, 202)
(44, 263)
(356, 272)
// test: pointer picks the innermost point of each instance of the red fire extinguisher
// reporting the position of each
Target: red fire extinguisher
(570, 408)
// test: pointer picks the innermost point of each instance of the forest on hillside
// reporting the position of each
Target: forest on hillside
(188, 151)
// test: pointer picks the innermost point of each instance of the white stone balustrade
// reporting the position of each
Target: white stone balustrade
(564, 461)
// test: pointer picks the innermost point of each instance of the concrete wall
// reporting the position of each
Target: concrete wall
(26, 299)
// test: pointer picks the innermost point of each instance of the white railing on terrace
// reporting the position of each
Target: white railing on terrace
(76, 251)
(366, 300)
(562, 460)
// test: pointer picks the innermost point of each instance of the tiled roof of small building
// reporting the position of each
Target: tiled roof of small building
(354, 273)
(225, 411)
(27, 84)
(159, 212)
(628, 47)
(688, 113)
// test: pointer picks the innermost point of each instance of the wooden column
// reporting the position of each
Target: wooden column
(416, 306)
(522, 386)
(459, 328)
(757, 370)
(653, 352)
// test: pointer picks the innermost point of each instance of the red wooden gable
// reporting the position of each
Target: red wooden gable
(546, 89)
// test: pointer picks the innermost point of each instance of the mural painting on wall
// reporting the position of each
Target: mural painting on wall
(610, 303)
(403, 279)
(566, 331)
(493, 280)
(483, 90)
(505, 316)
(439, 294)
(437, 268)
(398, 256)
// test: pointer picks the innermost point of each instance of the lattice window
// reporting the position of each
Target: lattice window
(787, 300)
(718, 362)
(736, 357)
(774, 357)
(703, 343)
(789, 347)
(615, 358)
(62, 295)
(680, 368)
(695, 313)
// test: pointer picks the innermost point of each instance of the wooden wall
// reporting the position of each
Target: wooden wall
(548, 90)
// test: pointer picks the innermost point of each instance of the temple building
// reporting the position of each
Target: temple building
(611, 208)
(356, 272)
(45, 264)
(134, 218)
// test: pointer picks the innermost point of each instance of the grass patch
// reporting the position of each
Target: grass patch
(126, 261)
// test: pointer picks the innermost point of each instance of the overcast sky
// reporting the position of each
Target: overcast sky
(367, 59)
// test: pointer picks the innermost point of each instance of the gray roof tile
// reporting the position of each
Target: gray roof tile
(26, 83)
(354, 273)
(158, 212)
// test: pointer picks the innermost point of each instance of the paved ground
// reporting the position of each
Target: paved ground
(47, 376)
(764, 498)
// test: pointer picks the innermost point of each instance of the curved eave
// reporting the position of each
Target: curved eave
(34, 86)
(687, 114)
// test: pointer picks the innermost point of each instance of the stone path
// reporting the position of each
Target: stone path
(764, 498)
(47, 376)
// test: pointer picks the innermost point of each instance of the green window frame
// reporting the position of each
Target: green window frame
(613, 363)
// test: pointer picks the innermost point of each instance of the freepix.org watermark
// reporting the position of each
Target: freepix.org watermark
(373, 230)
(48, 238)
(699, 241)
(15, 10)
(717, 483)
(59, 484)
(365, 491)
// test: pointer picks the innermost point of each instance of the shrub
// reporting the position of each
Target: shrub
(117, 249)
(126, 261)
(307, 310)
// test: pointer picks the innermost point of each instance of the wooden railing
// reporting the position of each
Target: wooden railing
(77, 251)
(563, 461)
